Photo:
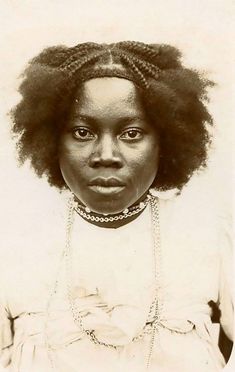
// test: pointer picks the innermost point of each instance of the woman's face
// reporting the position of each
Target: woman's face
(109, 151)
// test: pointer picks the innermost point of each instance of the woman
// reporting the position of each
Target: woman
(129, 289)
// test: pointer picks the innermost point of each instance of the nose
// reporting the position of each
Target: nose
(106, 153)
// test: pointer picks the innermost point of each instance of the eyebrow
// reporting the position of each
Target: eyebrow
(125, 119)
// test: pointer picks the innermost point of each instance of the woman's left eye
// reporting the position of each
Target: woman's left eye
(132, 134)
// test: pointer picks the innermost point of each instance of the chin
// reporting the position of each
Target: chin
(108, 203)
(107, 208)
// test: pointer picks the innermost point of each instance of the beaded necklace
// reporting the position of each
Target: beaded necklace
(86, 213)
(153, 318)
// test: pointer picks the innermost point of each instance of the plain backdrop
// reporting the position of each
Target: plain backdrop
(203, 30)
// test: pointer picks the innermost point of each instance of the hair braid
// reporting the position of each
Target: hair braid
(127, 60)
(87, 46)
(147, 51)
(76, 65)
(146, 67)
(79, 51)
(52, 56)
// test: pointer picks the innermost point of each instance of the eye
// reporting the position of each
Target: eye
(132, 134)
(82, 133)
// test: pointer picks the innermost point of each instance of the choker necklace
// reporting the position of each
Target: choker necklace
(86, 213)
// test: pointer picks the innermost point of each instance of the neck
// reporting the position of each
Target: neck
(115, 220)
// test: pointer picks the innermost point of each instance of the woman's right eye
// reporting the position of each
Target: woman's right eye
(82, 133)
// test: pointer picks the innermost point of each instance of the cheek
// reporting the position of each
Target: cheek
(72, 171)
(71, 161)
(144, 168)
(71, 157)
(70, 165)
(147, 159)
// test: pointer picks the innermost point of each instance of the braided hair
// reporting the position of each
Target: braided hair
(173, 97)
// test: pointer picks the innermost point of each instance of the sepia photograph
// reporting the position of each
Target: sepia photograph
(117, 177)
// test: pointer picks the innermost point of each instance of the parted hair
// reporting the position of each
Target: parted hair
(174, 98)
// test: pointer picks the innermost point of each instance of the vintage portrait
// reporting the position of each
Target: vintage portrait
(116, 251)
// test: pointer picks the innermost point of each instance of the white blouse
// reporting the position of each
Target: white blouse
(113, 286)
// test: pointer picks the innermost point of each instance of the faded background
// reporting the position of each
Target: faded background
(203, 30)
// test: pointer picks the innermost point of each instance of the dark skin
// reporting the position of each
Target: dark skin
(108, 149)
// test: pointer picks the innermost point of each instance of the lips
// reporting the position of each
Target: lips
(106, 182)
(106, 186)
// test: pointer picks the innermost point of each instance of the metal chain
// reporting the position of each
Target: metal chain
(154, 311)
(78, 319)
(69, 224)
(128, 212)
(158, 264)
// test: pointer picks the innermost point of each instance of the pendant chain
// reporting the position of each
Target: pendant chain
(154, 311)
(157, 274)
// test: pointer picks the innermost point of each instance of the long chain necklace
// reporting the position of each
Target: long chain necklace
(153, 317)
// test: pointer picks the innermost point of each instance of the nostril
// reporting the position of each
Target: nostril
(106, 154)
(100, 162)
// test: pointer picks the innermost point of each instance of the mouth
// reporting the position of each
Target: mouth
(106, 190)
(106, 182)
(106, 186)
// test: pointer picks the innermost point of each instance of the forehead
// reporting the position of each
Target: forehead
(109, 93)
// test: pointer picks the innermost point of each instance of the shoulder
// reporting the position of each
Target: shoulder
(33, 236)
(198, 214)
